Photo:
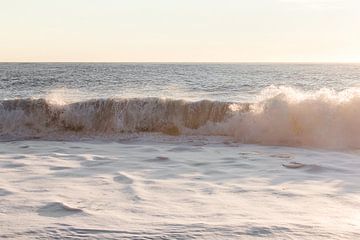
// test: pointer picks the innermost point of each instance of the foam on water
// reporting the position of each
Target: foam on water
(92, 190)
(286, 116)
(280, 116)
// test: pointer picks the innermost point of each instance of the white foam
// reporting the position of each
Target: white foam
(286, 116)
(111, 190)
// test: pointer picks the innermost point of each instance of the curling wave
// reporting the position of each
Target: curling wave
(39, 117)
(280, 116)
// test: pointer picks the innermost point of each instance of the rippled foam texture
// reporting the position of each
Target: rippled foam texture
(282, 116)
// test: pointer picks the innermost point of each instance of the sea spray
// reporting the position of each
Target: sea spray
(286, 116)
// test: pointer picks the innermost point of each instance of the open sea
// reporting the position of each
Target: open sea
(179, 151)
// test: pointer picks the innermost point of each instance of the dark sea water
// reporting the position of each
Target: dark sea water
(225, 82)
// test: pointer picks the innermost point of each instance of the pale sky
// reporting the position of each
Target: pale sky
(180, 30)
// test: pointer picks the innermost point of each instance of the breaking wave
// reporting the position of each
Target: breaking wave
(40, 117)
(280, 116)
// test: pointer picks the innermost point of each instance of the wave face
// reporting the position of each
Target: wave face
(40, 117)
(281, 116)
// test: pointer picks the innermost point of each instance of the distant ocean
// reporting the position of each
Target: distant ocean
(179, 151)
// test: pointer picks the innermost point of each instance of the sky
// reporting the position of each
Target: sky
(179, 31)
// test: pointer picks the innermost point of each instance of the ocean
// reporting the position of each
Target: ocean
(179, 151)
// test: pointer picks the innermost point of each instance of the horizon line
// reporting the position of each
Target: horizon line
(192, 62)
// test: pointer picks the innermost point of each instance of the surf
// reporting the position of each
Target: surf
(279, 116)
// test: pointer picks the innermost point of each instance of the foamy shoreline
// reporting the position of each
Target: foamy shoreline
(198, 189)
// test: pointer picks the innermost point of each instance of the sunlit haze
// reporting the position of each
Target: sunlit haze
(180, 30)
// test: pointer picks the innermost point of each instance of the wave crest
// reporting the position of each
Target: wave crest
(281, 116)
(38, 117)
(286, 116)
